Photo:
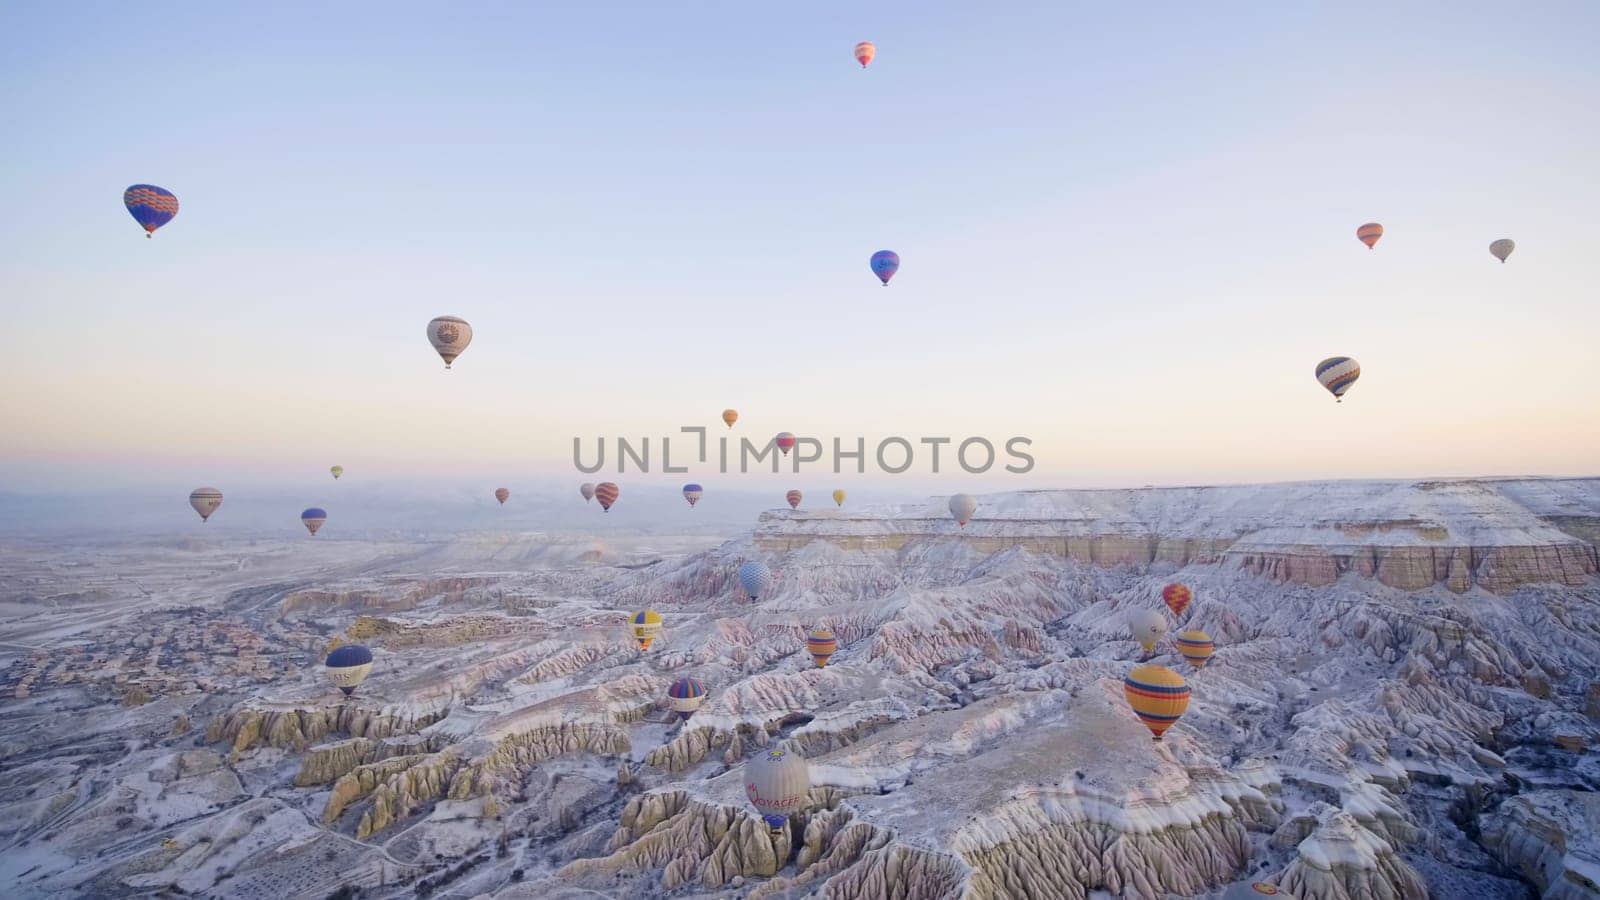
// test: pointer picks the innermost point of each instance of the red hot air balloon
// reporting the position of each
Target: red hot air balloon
(1369, 233)
(1177, 597)
(501, 494)
(785, 441)
(794, 499)
(606, 492)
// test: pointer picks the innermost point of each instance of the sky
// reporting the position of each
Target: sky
(1126, 232)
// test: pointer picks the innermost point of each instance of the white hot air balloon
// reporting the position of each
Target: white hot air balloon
(449, 335)
(205, 501)
(756, 579)
(587, 490)
(778, 783)
(1502, 248)
(1148, 627)
(962, 506)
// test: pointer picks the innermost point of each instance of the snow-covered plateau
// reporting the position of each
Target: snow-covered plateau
(1404, 703)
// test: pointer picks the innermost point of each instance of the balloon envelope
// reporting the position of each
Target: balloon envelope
(1148, 627)
(864, 53)
(449, 336)
(1177, 597)
(501, 494)
(884, 264)
(1337, 374)
(313, 518)
(838, 497)
(686, 695)
(821, 644)
(692, 492)
(756, 579)
(587, 490)
(150, 206)
(794, 498)
(962, 506)
(645, 624)
(1369, 233)
(777, 781)
(1502, 248)
(348, 666)
(1195, 646)
(337, 471)
(1158, 696)
(785, 442)
(205, 501)
(606, 492)
(730, 416)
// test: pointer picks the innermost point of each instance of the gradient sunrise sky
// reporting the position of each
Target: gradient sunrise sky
(1127, 232)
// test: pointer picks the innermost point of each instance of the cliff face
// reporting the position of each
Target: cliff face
(1549, 837)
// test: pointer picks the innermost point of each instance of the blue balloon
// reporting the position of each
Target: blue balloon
(349, 655)
(884, 264)
(150, 206)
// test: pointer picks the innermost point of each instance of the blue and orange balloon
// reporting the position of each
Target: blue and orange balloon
(313, 519)
(1158, 696)
(692, 492)
(150, 206)
(686, 695)
(884, 264)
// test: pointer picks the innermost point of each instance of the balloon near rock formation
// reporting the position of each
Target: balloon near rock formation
(1148, 627)
(313, 519)
(821, 644)
(686, 695)
(755, 578)
(1195, 646)
(962, 506)
(794, 498)
(1158, 696)
(645, 624)
(449, 336)
(1177, 597)
(205, 501)
(778, 782)
(348, 666)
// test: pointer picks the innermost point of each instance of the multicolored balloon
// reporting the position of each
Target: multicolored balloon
(686, 695)
(838, 497)
(1502, 248)
(150, 206)
(348, 666)
(606, 492)
(1337, 373)
(449, 336)
(1148, 627)
(864, 53)
(962, 506)
(692, 492)
(1158, 696)
(794, 498)
(1195, 646)
(313, 519)
(778, 783)
(821, 644)
(1369, 233)
(785, 442)
(1177, 597)
(730, 416)
(502, 495)
(884, 264)
(1255, 890)
(337, 471)
(205, 501)
(756, 578)
(646, 624)
(587, 490)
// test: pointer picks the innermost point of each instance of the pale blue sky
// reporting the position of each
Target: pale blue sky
(1127, 231)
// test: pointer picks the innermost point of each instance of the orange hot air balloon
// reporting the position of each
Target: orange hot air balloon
(1158, 696)
(1369, 233)
(730, 416)
(1177, 597)
(864, 52)
(1196, 646)
(606, 492)
(794, 499)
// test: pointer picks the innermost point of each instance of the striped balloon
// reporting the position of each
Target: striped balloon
(646, 624)
(756, 579)
(1337, 373)
(692, 492)
(313, 519)
(884, 264)
(348, 666)
(606, 492)
(1158, 696)
(1177, 597)
(686, 695)
(150, 206)
(785, 442)
(449, 336)
(1369, 233)
(205, 501)
(1196, 646)
(794, 498)
(864, 52)
(821, 644)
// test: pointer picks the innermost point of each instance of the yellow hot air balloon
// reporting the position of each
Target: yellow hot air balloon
(821, 644)
(730, 416)
(1196, 646)
(838, 497)
(1158, 696)
(646, 624)
(337, 471)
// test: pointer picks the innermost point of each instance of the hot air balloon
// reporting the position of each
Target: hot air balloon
(785, 442)
(821, 644)
(756, 578)
(150, 206)
(450, 336)
(501, 494)
(1148, 627)
(1195, 646)
(778, 783)
(337, 471)
(313, 519)
(794, 498)
(686, 695)
(606, 492)
(1337, 373)
(646, 625)
(864, 53)
(1177, 597)
(348, 666)
(730, 416)
(1502, 248)
(205, 501)
(962, 506)
(884, 264)
(838, 497)
(1255, 890)
(587, 490)
(1158, 696)
(1369, 233)
(692, 492)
